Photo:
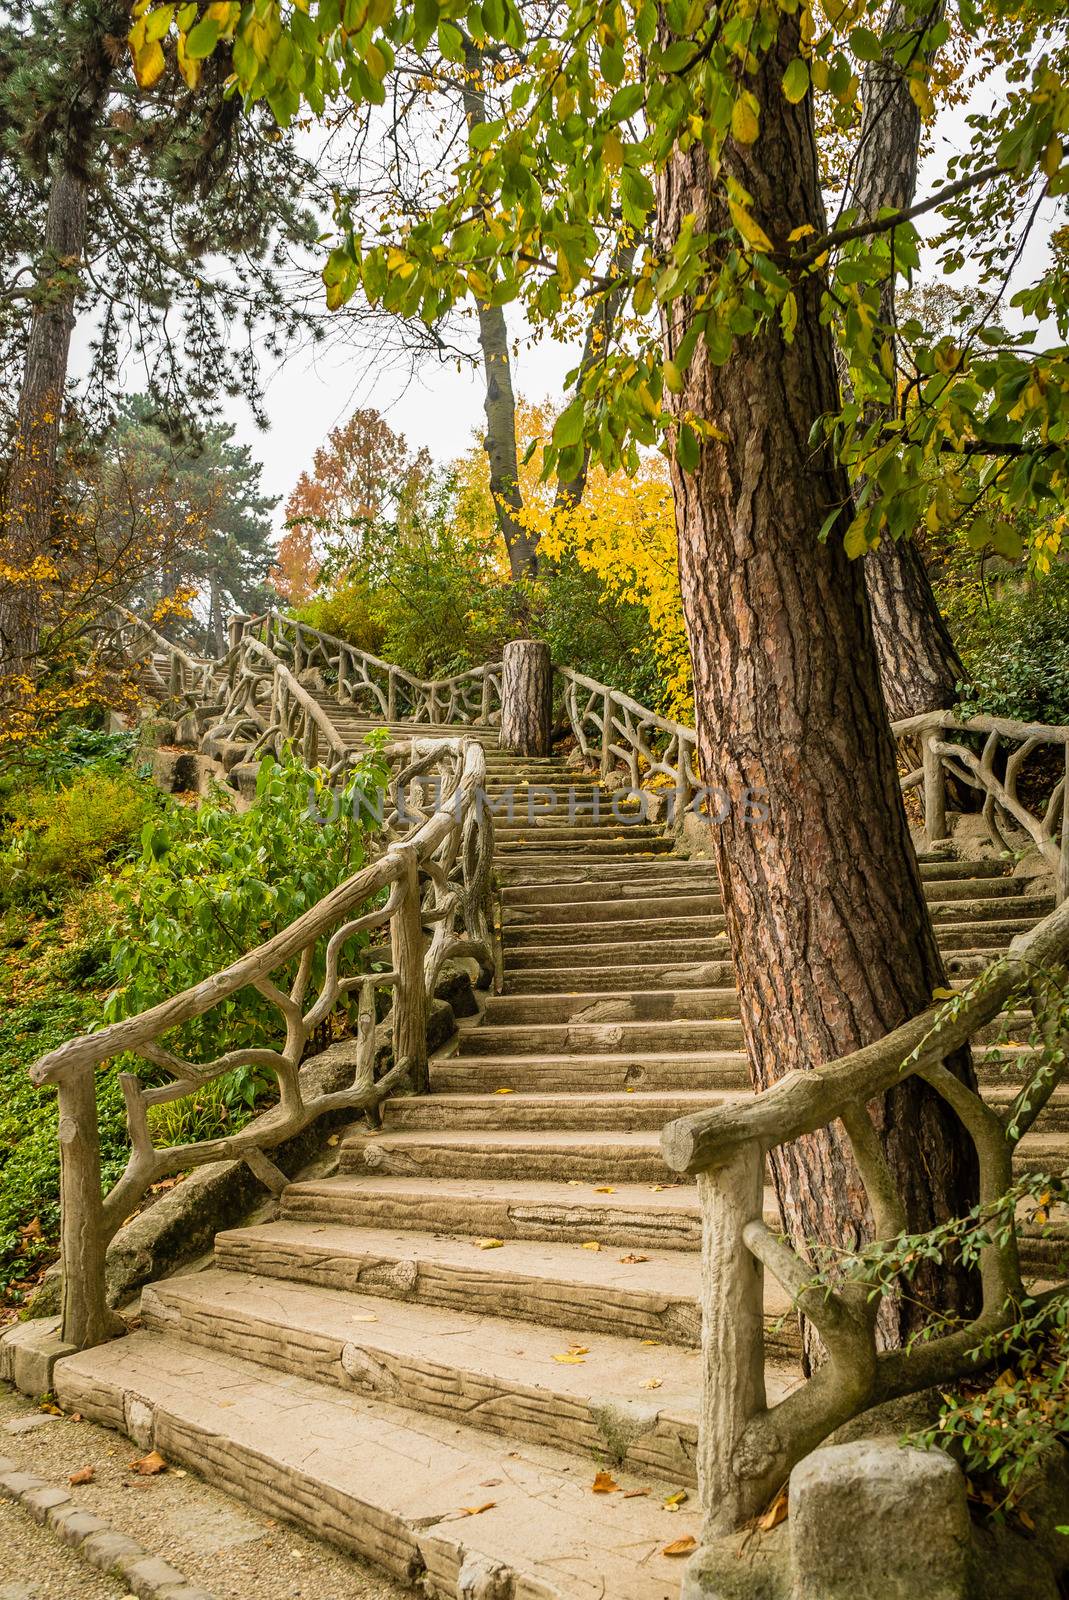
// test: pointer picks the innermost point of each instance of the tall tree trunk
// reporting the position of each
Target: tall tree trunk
(830, 933)
(919, 667)
(570, 491)
(31, 478)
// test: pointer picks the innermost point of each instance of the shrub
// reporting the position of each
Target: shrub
(60, 838)
(1015, 647)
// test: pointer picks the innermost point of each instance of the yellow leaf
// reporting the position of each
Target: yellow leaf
(652, 1344)
(1052, 157)
(651, 1383)
(604, 1483)
(775, 1514)
(751, 230)
(477, 1511)
(744, 119)
(942, 994)
(503, 1091)
(612, 152)
(591, 1244)
(673, 1502)
(489, 1244)
(149, 63)
(569, 1360)
(681, 1547)
(604, 1188)
(190, 70)
(801, 232)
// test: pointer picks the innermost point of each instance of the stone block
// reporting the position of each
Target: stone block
(29, 1352)
(874, 1521)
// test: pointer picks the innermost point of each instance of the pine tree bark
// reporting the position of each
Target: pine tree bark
(830, 934)
(919, 667)
(527, 698)
(31, 479)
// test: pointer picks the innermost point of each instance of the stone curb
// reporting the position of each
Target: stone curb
(148, 1576)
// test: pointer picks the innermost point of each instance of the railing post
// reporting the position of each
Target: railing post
(935, 794)
(526, 698)
(235, 628)
(733, 1334)
(85, 1319)
(410, 994)
(484, 713)
(391, 696)
(605, 764)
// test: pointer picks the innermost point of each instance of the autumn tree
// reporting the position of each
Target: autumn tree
(781, 480)
(124, 192)
(365, 471)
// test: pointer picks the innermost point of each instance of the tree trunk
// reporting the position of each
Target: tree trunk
(31, 478)
(526, 698)
(919, 667)
(829, 929)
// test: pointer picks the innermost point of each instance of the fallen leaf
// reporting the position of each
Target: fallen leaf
(604, 1483)
(333, 1139)
(489, 1244)
(1024, 1519)
(775, 1514)
(630, 1261)
(573, 1183)
(652, 1344)
(604, 1188)
(475, 1511)
(633, 1494)
(32, 1230)
(591, 1244)
(149, 1465)
(942, 994)
(76, 1416)
(83, 1475)
(681, 1547)
(674, 1501)
(652, 1383)
(504, 1091)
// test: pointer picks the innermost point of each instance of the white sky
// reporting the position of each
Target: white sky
(436, 406)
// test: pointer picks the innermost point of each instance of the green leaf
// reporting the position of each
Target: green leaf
(688, 448)
(202, 40)
(568, 428)
(796, 81)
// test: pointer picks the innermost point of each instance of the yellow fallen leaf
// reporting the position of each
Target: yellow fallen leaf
(568, 1360)
(476, 1511)
(604, 1188)
(681, 1547)
(591, 1244)
(674, 1501)
(652, 1383)
(775, 1514)
(148, 1466)
(504, 1091)
(604, 1483)
(489, 1244)
(652, 1344)
(630, 1261)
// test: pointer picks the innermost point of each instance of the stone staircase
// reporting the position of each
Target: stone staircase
(438, 1344)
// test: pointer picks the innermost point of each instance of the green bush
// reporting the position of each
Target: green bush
(212, 883)
(63, 837)
(1014, 642)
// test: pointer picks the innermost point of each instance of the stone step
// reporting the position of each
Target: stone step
(559, 835)
(701, 879)
(612, 976)
(621, 1111)
(591, 1038)
(629, 1005)
(548, 853)
(632, 1295)
(658, 904)
(590, 1157)
(382, 1482)
(588, 1075)
(616, 1398)
(642, 954)
(622, 931)
(639, 1215)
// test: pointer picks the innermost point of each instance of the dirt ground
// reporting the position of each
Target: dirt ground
(234, 1552)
